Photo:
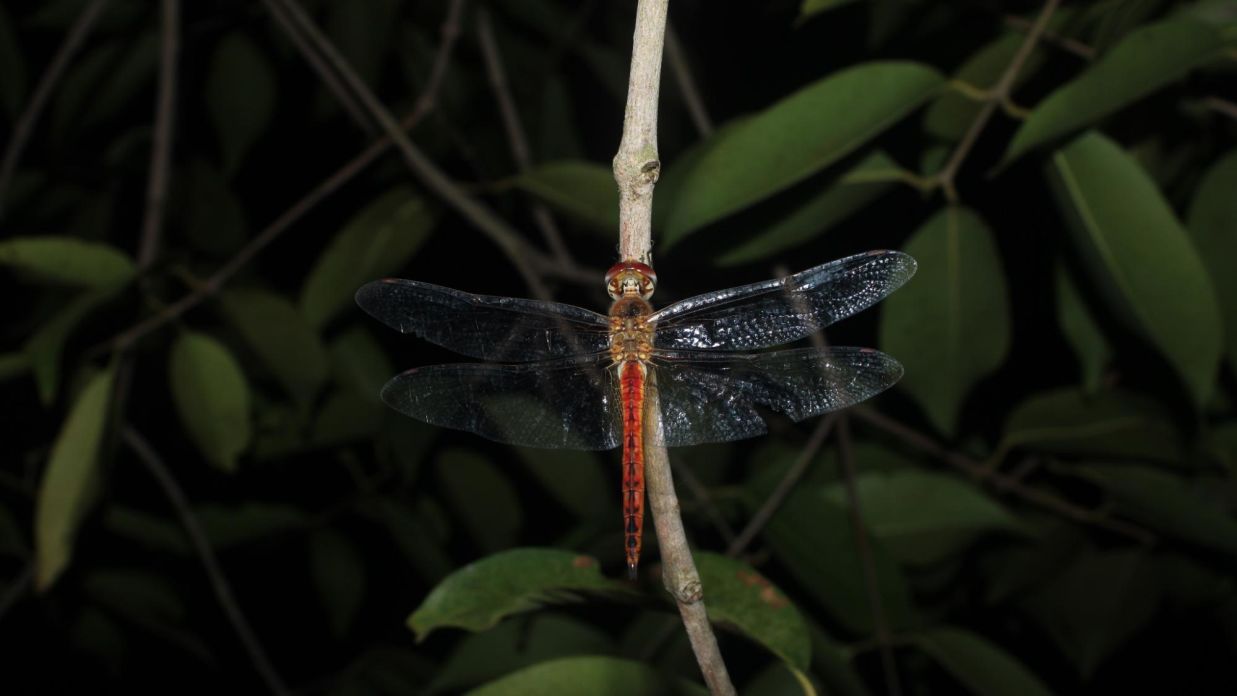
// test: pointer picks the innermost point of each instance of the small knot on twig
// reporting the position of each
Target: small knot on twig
(689, 592)
(651, 171)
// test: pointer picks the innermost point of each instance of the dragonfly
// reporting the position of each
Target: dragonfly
(559, 376)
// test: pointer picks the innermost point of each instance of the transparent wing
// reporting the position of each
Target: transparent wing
(774, 312)
(482, 326)
(706, 397)
(570, 403)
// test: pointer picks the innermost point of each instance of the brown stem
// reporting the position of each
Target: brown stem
(161, 147)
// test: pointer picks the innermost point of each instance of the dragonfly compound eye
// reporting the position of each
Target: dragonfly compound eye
(630, 278)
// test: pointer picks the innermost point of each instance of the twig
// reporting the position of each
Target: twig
(22, 131)
(499, 232)
(514, 128)
(687, 84)
(18, 586)
(701, 493)
(636, 167)
(784, 487)
(1221, 106)
(1073, 46)
(223, 591)
(846, 459)
(161, 146)
(1003, 483)
(1000, 93)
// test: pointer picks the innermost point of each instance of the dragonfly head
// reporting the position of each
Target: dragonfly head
(628, 278)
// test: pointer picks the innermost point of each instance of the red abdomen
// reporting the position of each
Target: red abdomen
(631, 390)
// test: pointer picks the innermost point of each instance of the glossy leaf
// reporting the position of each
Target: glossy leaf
(71, 482)
(924, 517)
(950, 326)
(376, 242)
(985, 669)
(211, 396)
(67, 261)
(949, 117)
(1110, 424)
(481, 594)
(603, 676)
(1078, 325)
(1212, 222)
(741, 597)
(583, 190)
(339, 575)
(852, 192)
(794, 138)
(278, 334)
(1139, 256)
(241, 90)
(45, 347)
(1145, 61)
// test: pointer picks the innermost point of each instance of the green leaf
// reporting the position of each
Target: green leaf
(950, 327)
(209, 211)
(483, 497)
(852, 192)
(481, 594)
(949, 117)
(1097, 604)
(71, 482)
(924, 517)
(1110, 424)
(583, 190)
(228, 526)
(1145, 61)
(345, 417)
(416, 536)
(339, 575)
(102, 82)
(241, 93)
(811, 7)
(362, 31)
(360, 363)
(740, 597)
(1139, 256)
(279, 336)
(67, 261)
(597, 676)
(576, 479)
(14, 365)
(1080, 330)
(377, 241)
(1212, 222)
(794, 138)
(45, 347)
(151, 532)
(135, 593)
(12, 69)
(212, 397)
(1169, 504)
(982, 667)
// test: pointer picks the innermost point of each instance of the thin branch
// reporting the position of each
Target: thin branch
(161, 147)
(24, 128)
(687, 84)
(701, 493)
(1073, 46)
(218, 582)
(636, 167)
(1000, 93)
(846, 460)
(1001, 482)
(494, 227)
(1221, 106)
(514, 128)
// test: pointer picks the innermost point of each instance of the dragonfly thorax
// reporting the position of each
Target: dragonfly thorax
(631, 334)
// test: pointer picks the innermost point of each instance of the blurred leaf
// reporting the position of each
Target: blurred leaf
(849, 194)
(360, 363)
(279, 336)
(517, 643)
(12, 540)
(1146, 60)
(979, 665)
(794, 138)
(1096, 605)
(483, 497)
(1140, 257)
(71, 482)
(949, 117)
(228, 526)
(1083, 334)
(811, 7)
(741, 597)
(481, 594)
(102, 82)
(575, 479)
(1111, 424)
(1168, 504)
(339, 575)
(597, 676)
(584, 190)
(417, 539)
(13, 365)
(778, 680)
(345, 417)
(241, 92)
(45, 346)
(362, 31)
(136, 593)
(833, 664)
(154, 533)
(211, 397)
(924, 517)
(67, 261)
(950, 326)
(377, 241)
(384, 671)
(208, 210)
(1213, 227)
(12, 69)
